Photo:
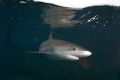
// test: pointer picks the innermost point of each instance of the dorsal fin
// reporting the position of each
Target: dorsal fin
(50, 37)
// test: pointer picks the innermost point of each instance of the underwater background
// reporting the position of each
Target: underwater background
(24, 25)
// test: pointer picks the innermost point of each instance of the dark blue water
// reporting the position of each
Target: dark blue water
(23, 29)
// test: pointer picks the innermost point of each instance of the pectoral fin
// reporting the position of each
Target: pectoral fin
(34, 52)
(84, 63)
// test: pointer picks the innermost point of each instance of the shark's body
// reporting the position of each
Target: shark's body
(63, 50)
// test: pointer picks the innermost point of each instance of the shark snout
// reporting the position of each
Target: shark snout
(87, 53)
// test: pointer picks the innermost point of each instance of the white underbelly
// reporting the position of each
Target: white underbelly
(62, 56)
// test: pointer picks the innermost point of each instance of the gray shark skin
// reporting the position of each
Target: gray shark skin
(63, 50)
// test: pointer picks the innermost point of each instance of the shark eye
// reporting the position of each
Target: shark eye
(74, 49)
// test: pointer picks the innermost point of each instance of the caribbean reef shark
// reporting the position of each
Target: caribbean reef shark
(63, 50)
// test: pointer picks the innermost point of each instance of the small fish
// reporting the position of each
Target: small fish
(63, 50)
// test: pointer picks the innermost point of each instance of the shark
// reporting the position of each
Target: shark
(64, 50)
